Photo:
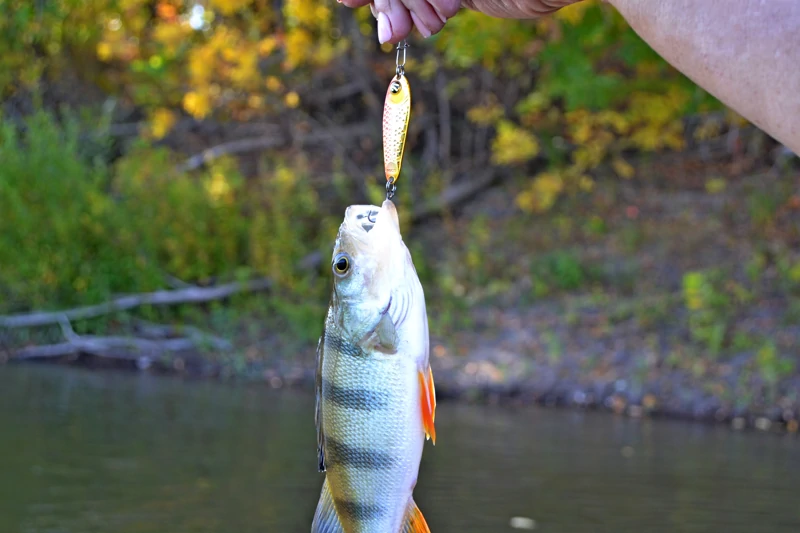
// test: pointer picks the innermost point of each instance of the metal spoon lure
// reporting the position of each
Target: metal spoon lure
(396, 113)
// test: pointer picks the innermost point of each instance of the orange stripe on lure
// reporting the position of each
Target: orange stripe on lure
(396, 112)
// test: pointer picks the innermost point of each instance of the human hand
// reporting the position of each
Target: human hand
(396, 18)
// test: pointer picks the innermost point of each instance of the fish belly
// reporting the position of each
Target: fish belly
(373, 431)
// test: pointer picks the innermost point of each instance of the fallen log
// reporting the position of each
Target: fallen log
(124, 348)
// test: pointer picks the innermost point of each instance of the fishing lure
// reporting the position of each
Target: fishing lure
(396, 113)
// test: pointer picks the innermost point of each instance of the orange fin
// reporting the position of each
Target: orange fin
(414, 522)
(428, 402)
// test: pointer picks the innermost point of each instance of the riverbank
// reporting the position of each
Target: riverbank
(676, 293)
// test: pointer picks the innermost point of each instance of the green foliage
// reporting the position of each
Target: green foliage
(72, 234)
(771, 366)
(709, 309)
(61, 237)
(35, 36)
(192, 228)
(558, 270)
(762, 207)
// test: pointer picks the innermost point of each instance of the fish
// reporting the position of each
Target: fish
(396, 113)
(375, 395)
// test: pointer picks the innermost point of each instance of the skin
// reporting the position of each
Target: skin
(744, 52)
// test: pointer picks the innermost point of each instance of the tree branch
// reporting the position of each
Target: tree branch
(273, 141)
(188, 295)
(455, 195)
(198, 337)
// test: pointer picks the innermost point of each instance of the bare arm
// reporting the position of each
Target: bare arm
(744, 52)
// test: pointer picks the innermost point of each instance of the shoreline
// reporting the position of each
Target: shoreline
(471, 383)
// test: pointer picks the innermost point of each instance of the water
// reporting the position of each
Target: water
(84, 452)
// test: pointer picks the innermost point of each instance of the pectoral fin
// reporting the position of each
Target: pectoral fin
(384, 337)
(428, 402)
(325, 518)
(414, 522)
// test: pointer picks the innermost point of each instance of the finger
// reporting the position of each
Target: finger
(448, 8)
(394, 21)
(425, 18)
(355, 3)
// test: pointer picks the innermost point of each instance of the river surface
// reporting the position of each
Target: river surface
(86, 452)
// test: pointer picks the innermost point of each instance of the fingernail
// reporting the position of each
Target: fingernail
(384, 28)
(372, 9)
(441, 17)
(420, 26)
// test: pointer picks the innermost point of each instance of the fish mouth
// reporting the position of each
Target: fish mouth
(370, 225)
(368, 217)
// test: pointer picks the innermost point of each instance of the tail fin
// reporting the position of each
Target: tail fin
(325, 518)
(414, 522)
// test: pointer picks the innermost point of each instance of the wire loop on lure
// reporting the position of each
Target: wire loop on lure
(400, 66)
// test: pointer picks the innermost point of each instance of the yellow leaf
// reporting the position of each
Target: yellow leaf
(306, 13)
(543, 193)
(715, 185)
(171, 36)
(299, 47)
(218, 187)
(273, 83)
(485, 115)
(585, 183)
(513, 145)
(572, 13)
(202, 61)
(582, 132)
(267, 45)
(161, 122)
(104, 51)
(255, 101)
(196, 104)
(292, 99)
(622, 168)
(245, 71)
(229, 7)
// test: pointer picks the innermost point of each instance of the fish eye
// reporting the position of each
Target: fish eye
(341, 264)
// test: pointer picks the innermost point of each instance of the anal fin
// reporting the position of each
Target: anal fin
(325, 518)
(428, 402)
(414, 522)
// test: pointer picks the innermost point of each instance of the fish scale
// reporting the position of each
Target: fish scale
(374, 438)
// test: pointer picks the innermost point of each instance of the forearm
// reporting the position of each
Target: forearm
(744, 52)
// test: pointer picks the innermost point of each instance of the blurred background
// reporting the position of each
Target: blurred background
(591, 230)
